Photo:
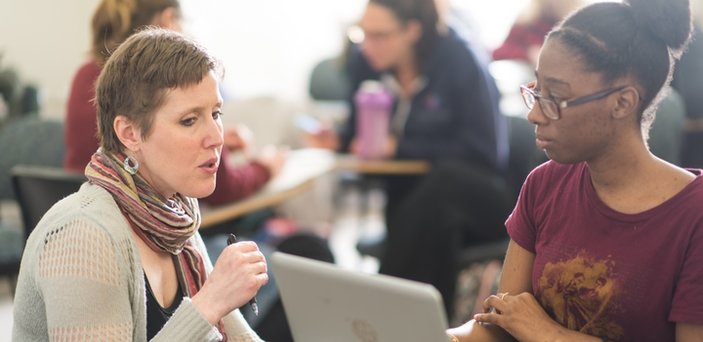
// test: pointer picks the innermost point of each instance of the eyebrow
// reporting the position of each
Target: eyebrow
(555, 82)
(200, 108)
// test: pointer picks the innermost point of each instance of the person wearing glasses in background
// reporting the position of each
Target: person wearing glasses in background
(606, 238)
(113, 21)
(122, 259)
(445, 111)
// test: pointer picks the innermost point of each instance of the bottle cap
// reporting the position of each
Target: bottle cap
(371, 86)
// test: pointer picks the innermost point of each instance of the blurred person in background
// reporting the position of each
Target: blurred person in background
(445, 111)
(531, 27)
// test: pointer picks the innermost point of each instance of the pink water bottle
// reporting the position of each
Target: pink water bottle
(373, 112)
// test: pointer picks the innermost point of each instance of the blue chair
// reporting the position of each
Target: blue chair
(328, 81)
(28, 140)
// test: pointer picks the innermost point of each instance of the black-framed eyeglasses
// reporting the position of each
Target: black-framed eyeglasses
(552, 107)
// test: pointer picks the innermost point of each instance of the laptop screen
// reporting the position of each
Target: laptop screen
(326, 303)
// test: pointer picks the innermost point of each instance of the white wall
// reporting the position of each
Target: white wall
(268, 46)
(46, 41)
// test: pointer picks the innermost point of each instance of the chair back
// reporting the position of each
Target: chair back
(29, 140)
(328, 81)
(37, 188)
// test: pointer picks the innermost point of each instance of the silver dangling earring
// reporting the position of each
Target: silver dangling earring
(131, 166)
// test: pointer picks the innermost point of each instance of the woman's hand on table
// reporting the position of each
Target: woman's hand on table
(325, 138)
(389, 148)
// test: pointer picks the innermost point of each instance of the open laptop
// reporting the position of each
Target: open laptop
(326, 303)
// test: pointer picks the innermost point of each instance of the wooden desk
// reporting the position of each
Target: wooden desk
(299, 173)
(382, 167)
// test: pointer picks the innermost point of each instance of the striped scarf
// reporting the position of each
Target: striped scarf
(164, 224)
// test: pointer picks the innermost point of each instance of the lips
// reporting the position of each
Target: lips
(210, 166)
(542, 142)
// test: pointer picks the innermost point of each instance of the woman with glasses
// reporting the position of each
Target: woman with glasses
(445, 111)
(606, 238)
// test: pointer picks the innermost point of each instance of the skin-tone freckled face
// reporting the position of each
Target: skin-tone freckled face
(584, 132)
(182, 152)
(386, 41)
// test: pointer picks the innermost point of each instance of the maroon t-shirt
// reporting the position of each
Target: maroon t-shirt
(622, 277)
(81, 141)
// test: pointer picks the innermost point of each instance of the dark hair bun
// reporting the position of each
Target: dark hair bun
(669, 20)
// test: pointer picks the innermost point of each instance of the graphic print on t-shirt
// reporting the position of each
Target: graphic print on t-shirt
(579, 293)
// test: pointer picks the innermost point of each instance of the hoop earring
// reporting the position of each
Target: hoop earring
(131, 165)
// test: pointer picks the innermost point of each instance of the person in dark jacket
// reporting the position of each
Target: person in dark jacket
(445, 111)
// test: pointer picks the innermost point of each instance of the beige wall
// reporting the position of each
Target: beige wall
(268, 46)
(46, 41)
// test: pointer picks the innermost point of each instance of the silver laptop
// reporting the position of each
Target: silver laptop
(328, 304)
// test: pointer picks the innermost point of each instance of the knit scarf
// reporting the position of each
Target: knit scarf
(164, 224)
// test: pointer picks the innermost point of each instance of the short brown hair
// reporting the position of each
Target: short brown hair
(138, 75)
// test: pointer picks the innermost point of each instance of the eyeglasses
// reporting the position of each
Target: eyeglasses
(552, 107)
(357, 35)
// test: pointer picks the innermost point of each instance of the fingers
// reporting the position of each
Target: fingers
(489, 318)
(258, 264)
(246, 255)
(244, 246)
(262, 279)
(495, 302)
(256, 260)
(257, 276)
(252, 257)
(493, 306)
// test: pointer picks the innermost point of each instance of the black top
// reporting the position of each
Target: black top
(157, 316)
(454, 117)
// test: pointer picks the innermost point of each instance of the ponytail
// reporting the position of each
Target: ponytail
(115, 20)
(112, 24)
